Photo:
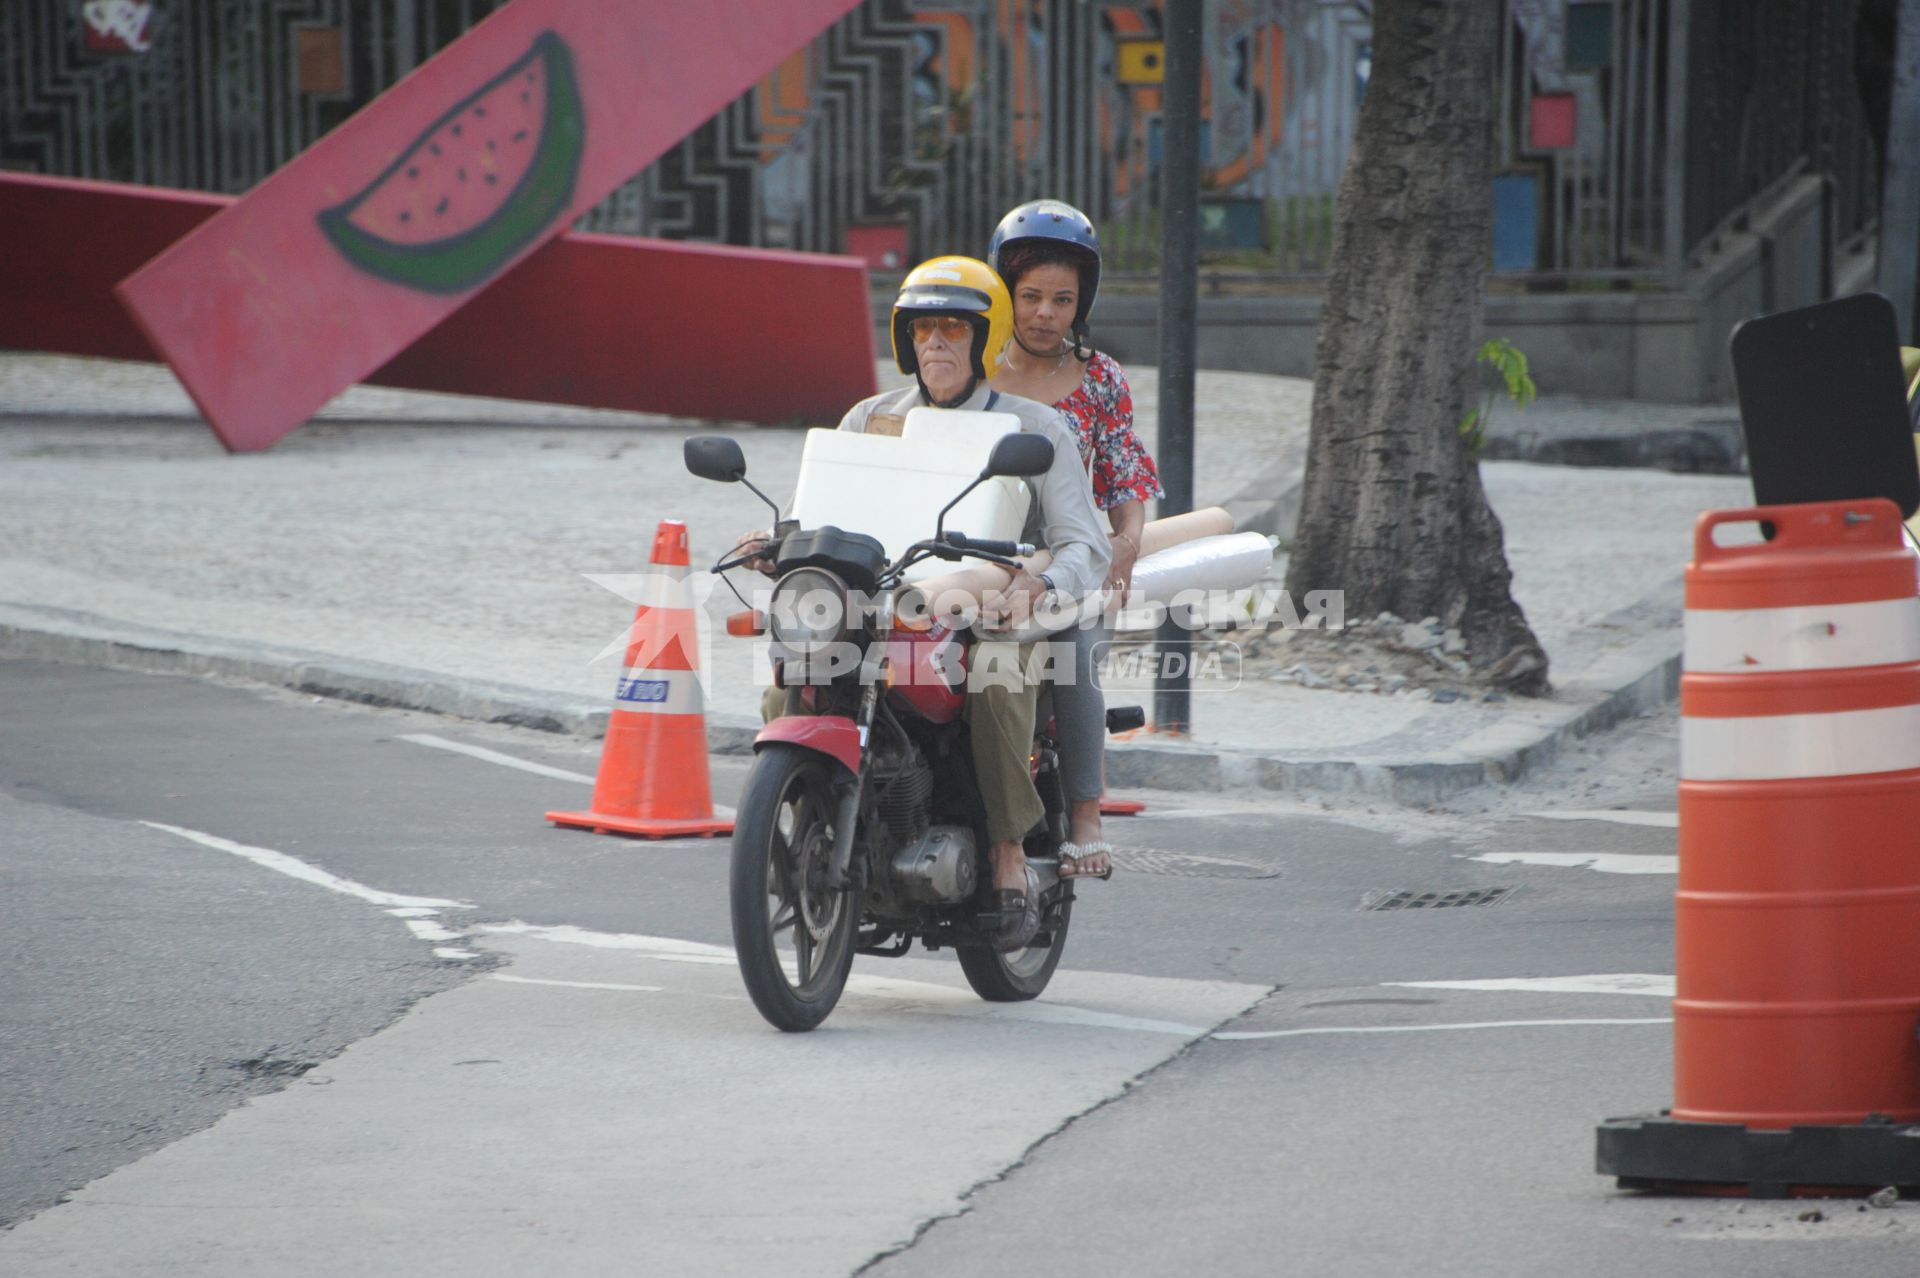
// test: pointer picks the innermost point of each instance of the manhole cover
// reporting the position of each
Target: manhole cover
(1415, 900)
(1189, 865)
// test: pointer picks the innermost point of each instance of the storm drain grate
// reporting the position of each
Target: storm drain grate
(1435, 900)
(1189, 865)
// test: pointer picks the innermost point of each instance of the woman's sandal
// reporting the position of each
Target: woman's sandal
(1072, 854)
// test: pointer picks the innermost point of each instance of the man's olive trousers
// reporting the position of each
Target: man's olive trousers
(1002, 689)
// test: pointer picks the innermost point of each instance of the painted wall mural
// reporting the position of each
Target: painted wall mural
(913, 124)
(906, 128)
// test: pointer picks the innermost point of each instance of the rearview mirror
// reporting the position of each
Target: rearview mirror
(715, 457)
(1020, 455)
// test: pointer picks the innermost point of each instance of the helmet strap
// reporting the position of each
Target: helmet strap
(1044, 354)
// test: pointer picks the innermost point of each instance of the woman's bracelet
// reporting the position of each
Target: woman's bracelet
(1131, 543)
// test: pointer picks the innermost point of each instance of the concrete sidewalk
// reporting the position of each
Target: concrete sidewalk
(431, 552)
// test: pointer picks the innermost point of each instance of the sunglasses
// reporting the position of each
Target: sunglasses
(952, 327)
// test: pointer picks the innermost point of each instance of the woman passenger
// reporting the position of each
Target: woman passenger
(1049, 255)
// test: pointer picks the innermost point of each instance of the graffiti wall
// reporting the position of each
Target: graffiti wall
(902, 132)
(914, 123)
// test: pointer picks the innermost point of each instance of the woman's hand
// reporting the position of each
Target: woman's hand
(758, 539)
(1126, 551)
(1005, 609)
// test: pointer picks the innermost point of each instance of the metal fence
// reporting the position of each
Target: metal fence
(1627, 130)
(910, 122)
(1582, 137)
(203, 94)
(1774, 91)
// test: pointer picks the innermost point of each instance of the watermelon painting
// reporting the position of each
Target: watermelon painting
(480, 184)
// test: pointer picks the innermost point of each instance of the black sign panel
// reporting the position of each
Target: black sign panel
(1824, 406)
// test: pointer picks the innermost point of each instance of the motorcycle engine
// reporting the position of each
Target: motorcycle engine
(902, 801)
(938, 868)
(929, 864)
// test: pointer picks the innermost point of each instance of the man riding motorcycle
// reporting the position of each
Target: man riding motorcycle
(950, 327)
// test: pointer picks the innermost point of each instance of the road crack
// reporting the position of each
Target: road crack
(1126, 1088)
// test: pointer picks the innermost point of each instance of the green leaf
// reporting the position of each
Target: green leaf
(1510, 363)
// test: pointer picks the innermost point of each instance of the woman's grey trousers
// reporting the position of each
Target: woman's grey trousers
(1080, 714)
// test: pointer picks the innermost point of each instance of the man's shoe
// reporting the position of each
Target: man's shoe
(1017, 915)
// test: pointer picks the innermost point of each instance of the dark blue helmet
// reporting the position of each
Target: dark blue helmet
(1061, 224)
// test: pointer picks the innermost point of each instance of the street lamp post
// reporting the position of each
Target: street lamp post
(1179, 301)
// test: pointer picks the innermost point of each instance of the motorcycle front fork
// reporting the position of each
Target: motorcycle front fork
(847, 813)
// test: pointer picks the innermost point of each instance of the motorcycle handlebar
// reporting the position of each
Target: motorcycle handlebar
(986, 546)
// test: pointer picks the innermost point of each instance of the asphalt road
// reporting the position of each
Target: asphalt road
(296, 987)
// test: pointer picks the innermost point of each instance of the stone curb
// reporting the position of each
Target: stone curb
(1640, 677)
(1694, 450)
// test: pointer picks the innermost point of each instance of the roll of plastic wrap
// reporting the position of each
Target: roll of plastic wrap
(1164, 534)
(1210, 563)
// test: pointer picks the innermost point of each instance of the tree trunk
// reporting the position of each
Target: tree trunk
(1392, 511)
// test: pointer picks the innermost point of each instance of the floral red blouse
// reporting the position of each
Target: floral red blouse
(1101, 410)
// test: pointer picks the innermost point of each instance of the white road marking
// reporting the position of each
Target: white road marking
(1423, 1029)
(1652, 984)
(293, 867)
(942, 999)
(415, 911)
(949, 1000)
(568, 934)
(494, 756)
(1619, 816)
(485, 755)
(1604, 862)
(939, 999)
(578, 985)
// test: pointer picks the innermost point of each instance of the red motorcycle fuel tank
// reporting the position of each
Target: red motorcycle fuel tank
(929, 672)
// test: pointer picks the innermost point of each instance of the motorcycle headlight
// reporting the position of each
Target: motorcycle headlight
(809, 611)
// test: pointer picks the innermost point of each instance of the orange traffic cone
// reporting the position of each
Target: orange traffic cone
(653, 767)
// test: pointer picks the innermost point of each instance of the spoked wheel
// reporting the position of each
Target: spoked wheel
(1018, 975)
(792, 934)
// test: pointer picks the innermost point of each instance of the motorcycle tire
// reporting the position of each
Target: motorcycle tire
(1018, 976)
(782, 836)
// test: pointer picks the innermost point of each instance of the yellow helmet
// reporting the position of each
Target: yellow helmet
(963, 286)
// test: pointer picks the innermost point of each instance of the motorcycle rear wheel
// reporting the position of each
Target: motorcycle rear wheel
(792, 935)
(1017, 976)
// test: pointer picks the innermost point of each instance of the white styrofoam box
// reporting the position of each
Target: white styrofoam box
(974, 433)
(892, 487)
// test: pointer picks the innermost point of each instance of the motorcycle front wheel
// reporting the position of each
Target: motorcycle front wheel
(1019, 975)
(793, 936)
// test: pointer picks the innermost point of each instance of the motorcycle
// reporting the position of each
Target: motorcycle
(860, 828)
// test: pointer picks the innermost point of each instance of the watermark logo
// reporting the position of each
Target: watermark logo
(1208, 666)
(822, 632)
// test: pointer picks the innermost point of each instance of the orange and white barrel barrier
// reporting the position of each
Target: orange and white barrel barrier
(1798, 911)
(653, 766)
